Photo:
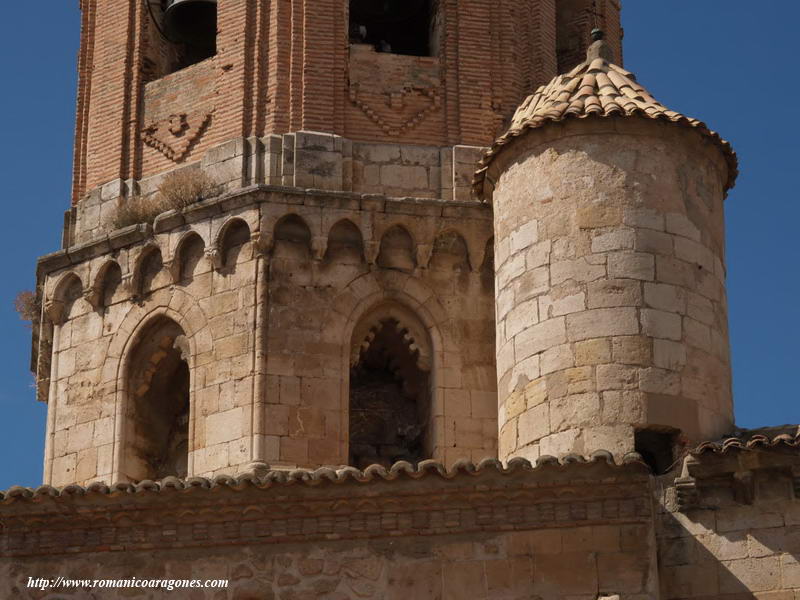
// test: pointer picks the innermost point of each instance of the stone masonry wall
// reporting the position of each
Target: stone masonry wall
(740, 539)
(611, 306)
(270, 327)
(480, 535)
(304, 159)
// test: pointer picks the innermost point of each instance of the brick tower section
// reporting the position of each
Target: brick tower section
(289, 65)
(612, 317)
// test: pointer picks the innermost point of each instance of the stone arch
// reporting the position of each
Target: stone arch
(66, 298)
(156, 419)
(345, 243)
(231, 241)
(397, 249)
(176, 305)
(292, 237)
(148, 271)
(107, 288)
(391, 293)
(389, 387)
(188, 257)
(450, 252)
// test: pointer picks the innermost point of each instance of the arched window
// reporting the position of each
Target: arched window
(181, 33)
(397, 250)
(396, 26)
(151, 273)
(157, 434)
(71, 294)
(450, 253)
(345, 244)
(234, 238)
(110, 284)
(190, 254)
(390, 391)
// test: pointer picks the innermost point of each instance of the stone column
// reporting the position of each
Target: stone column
(610, 282)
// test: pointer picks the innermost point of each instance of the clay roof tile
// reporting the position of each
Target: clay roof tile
(600, 88)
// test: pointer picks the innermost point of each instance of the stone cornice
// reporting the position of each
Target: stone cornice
(279, 507)
(423, 207)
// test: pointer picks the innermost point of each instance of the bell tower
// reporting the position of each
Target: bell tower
(273, 254)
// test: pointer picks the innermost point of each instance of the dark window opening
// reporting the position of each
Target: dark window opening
(389, 399)
(657, 449)
(395, 26)
(159, 403)
(181, 33)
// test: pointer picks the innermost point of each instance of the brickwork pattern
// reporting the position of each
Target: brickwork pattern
(283, 67)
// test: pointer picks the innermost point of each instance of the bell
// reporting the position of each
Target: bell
(191, 22)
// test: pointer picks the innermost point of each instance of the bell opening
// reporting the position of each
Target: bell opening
(183, 33)
(409, 27)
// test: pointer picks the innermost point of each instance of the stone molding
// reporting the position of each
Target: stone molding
(273, 507)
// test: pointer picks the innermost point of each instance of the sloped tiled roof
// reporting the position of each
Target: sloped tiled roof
(595, 88)
(263, 477)
(787, 437)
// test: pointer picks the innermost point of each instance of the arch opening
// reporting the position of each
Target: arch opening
(397, 250)
(389, 399)
(111, 285)
(181, 33)
(234, 239)
(191, 252)
(71, 293)
(408, 27)
(450, 253)
(345, 244)
(151, 272)
(158, 385)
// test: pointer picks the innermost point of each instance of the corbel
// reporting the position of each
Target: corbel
(263, 242)
(371, 251)
(214, 256)
(55, 311)
(686, 493)
(94, 296)
(424, 253)
(319, 246)
(173, 267)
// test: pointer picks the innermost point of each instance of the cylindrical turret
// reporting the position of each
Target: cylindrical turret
(611, 308)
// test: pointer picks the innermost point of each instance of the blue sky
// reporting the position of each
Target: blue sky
(730, 63)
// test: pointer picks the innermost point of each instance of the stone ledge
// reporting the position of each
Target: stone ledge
(263, 477)
(274, 507)
(426, 207)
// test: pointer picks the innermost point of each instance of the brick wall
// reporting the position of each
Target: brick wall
(281, 67)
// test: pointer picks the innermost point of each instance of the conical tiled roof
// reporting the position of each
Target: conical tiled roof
(595, 88)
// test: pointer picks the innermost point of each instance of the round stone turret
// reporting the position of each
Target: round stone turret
(612, 327)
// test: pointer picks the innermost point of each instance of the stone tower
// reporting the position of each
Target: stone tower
(611, 308)
(331, 300)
